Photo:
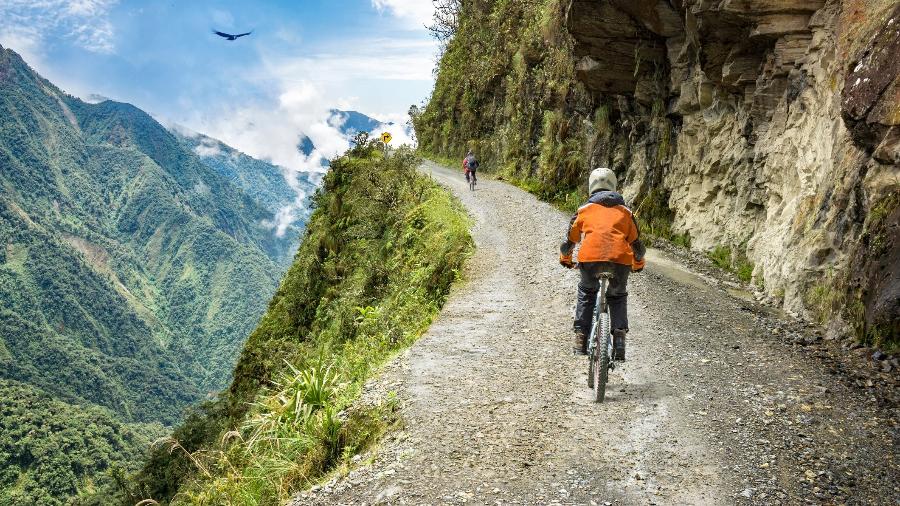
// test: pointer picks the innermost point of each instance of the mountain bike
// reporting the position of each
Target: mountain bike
(600, 343)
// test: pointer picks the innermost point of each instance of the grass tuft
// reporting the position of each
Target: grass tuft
(732, 261)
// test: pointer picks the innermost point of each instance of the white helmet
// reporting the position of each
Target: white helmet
(602, 179)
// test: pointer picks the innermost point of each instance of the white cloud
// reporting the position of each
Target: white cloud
(417, 12)
(271, 131)
(307, 88)
(207, 148)
(382, 59)
(284, 218)
(24, 41)
(25, 24)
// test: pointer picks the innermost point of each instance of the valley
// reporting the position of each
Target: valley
(289, 308)
(132, 269)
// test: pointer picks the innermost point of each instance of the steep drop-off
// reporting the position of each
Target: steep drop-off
(131, 273)
(763, 130)
(376, 263)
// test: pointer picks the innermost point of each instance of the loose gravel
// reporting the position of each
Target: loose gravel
(714, 406)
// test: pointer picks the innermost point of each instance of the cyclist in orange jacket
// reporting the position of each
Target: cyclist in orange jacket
(610, 242)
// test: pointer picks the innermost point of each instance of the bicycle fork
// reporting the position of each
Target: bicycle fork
(599, 307)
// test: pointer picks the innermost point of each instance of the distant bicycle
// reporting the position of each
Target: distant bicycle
(600, 343)
(470, 165)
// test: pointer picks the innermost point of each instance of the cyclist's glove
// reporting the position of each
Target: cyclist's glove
(566, 261)
(638, 265)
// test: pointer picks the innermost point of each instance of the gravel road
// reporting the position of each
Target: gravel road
(711, 407)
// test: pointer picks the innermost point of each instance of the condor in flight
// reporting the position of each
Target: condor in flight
(230, 36)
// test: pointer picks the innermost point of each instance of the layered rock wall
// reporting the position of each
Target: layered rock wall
(773, 126)
(767, 127)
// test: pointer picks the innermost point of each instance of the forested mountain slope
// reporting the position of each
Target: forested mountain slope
(764, 132)
(376, 263)
(262, 181)
(130, 271)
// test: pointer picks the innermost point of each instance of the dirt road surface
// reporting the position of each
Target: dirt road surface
(710, 408)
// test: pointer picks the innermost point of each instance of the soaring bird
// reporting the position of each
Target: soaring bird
(230, 36)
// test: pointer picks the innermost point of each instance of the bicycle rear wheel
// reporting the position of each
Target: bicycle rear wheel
(601, 367)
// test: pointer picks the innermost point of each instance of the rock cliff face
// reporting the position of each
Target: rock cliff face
(781, 123)
(767, 127)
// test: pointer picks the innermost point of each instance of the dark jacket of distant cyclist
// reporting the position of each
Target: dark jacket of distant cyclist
(470, 163)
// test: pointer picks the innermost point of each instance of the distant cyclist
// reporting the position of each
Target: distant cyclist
(610, 242)
(470, 165)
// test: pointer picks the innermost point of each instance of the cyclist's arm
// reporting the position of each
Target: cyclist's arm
(634, 239)
(572, 236)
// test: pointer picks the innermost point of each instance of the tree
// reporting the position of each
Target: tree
(446, 19)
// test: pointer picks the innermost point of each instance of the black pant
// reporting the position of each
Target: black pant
(616, 294)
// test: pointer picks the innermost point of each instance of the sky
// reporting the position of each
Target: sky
(258, 93)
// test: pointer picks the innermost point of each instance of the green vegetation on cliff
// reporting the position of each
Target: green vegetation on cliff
(380, 253)
(502, 89)
(507, 87)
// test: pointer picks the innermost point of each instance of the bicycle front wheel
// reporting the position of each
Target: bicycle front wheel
(591, 363)
(601, 367)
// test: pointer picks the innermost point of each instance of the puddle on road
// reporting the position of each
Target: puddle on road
(671, 269)
(674, 270)
(740, 293)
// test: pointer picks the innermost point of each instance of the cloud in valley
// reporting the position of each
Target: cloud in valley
(261, 95)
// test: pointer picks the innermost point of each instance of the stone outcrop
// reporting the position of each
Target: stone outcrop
(771, 124)
(871, 95)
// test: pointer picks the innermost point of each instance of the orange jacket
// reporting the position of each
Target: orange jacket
(607, 232)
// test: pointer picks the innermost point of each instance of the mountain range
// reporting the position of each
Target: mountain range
(349, 123)
(134, 262)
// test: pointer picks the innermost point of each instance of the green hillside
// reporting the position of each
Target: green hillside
(508, 89)
(130, 270)
(374, 267)
(260, 180)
